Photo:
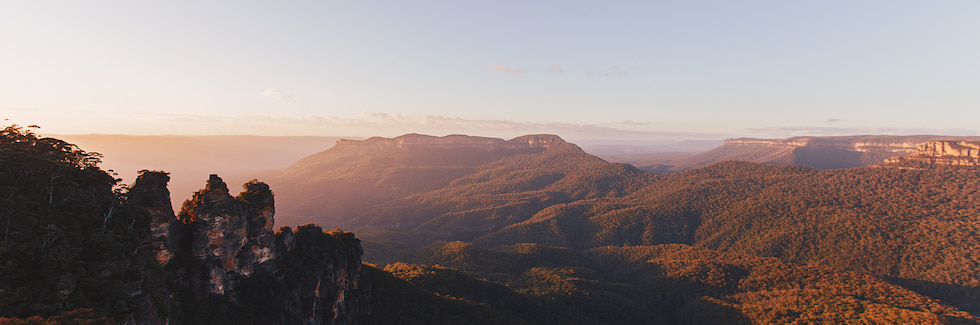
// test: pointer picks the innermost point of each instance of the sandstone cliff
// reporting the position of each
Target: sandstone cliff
(225, 264)
(818, 152)
(415, 141)
(954, 153)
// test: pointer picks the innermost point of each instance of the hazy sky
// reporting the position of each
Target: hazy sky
(596, 69)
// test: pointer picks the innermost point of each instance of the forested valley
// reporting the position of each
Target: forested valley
(536, 234)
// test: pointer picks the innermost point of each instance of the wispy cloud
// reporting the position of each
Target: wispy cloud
(448, 122)
(467, 59)
(505, 69)
(275, 94)
(387, 124)
(613, 72)
(833, 120)
(555, 68)
(633, 123)
(837, 131)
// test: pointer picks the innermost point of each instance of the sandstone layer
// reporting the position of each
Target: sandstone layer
(953, 153)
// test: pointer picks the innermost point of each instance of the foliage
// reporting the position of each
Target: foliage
(663, 284)
(81, 316)
(68, 240)
(396, 301)
(889, 222)
(915, 227)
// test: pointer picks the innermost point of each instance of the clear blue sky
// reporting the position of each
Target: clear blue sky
(639, 70)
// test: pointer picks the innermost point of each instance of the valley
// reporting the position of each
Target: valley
(907, 226)
(535, 230)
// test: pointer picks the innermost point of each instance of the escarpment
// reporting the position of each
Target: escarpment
(456, 141)
(819, 152)
(953, 153)
(225, 263)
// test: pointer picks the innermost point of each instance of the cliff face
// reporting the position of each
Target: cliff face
(415, 141)
(323, 269)
(222, 251)
(230, 236)
(818, 152)
(954, 153)
(150, 192)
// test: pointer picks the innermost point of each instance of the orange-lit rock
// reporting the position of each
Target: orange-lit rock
(955, 153)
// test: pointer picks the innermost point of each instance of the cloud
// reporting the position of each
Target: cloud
(505, 69)
(633, 123)
(467, 59)
(386, 124)
(504, 128)
(613, 72)
(275, 94)
(555, 68)
(833, 120)
(779, 132)
(442, 122)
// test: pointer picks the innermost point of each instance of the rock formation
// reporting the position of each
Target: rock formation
(150, 192)
(954, 153)
(227, 234)
(222, 250)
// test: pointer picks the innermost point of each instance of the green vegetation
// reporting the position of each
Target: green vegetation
(914, 227)
(888, 222)
(576, 240)
(661, 284)
(69, 244)
(396, 301)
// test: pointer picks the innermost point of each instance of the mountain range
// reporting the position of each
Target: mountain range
(830, 152)
(534, 230)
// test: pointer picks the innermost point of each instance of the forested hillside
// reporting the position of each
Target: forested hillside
(77, 247)
(69, 245)
(660, 284)
(913, 227)
(485, 231)
(897, 223)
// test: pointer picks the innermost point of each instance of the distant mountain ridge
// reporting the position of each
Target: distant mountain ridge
(399, 197)
(339, 184)
(576, 239)
(812, 151)
(455, 141)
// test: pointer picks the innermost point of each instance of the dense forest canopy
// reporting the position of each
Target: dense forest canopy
(69, 242)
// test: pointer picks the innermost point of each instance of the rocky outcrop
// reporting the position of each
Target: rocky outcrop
(225, 232)
(958, 149)
(260, 210)
(221, 252)
(324, 268)
(953, 153)
(150, 192)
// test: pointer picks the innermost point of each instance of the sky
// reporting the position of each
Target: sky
(609, 70)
